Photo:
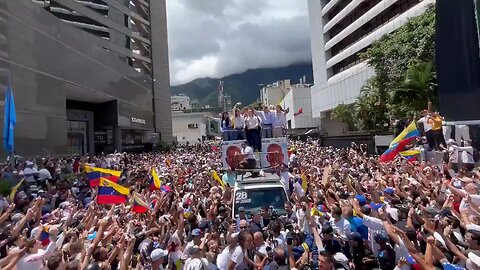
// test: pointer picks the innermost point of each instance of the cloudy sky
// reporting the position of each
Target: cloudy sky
(215, 38)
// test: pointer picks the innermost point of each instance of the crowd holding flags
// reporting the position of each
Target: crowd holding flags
(139, 206)
(94, 174)
(217, 178)
(111, 193)
(397, 146)
(155, 183)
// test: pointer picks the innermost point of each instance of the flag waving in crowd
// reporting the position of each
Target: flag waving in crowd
(111, 193)
(155, 183)
(408, 135)
(94, 174)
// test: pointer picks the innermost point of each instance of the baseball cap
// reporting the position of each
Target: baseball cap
(157, 254)
(451, 266)
(376, 206)
(355, 236)
(197, 232)
(241, 209)
(327, 229)
(381, 236)
(361, 199)
(366, 209)
(389, 190)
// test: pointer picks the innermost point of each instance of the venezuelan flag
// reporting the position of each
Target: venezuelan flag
(410, 155)
(409, 134)
(318, 211)
(94, 174)
(155, 183)
(15, 189)
(45, 236)
(139, 206)
(111, 193)
(217, 178)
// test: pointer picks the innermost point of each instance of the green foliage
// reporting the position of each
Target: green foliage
(5, 187)
(405, 78)
(161, 147)
(344, 113)
(371, 107)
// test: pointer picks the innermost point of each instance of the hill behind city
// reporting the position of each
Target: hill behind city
(243, 87)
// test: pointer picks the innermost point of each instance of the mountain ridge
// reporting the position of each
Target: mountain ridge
(242, 87)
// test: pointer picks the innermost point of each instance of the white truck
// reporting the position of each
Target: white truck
(259, 192)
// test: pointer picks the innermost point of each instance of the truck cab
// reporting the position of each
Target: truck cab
(264, 191)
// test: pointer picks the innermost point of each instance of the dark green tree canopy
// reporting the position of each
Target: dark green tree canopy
(404, 81)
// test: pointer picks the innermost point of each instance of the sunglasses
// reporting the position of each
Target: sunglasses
(243, 227)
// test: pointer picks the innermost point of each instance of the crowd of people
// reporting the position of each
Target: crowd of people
(354, 212)
(252, 125)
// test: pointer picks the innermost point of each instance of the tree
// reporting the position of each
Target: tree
(371, 106)
(405, 78)
(417, 89)
(344, 113)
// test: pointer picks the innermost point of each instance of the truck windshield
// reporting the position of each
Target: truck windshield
(255, 199)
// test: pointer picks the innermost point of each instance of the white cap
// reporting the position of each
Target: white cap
(157, 254)
(393, 213)
(473, 258)
(340, 258)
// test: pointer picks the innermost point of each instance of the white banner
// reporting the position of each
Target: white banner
(229, 151)
(276, 152)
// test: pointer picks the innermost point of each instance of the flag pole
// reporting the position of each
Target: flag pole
(12, 155)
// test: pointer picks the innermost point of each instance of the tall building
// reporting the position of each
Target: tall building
(88, 76)
(180, 103)
(340, 30)
(273, 94)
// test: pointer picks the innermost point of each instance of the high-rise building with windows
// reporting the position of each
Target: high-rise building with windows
(88, 76)
(340, 30)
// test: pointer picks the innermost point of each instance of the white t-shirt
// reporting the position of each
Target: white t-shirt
(298, 189)
(342, 227)
(293, 158)
(249, 152)
(32, 261)
(196, 264)
(223, 259)
(285, 179)
(374, 226)
(238, 258)
(176, 259)
(186, 252)
(239, 122)
(401, 251)
(251, 122)
(426, 125)
(475, 200)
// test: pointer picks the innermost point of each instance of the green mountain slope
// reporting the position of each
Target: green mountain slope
(242, 87)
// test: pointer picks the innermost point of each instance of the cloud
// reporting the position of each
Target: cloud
(215, 38)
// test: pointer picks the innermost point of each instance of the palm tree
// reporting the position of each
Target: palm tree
(418, 87)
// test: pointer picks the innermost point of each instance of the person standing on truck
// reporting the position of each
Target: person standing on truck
(249, 162)
(280, 120)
